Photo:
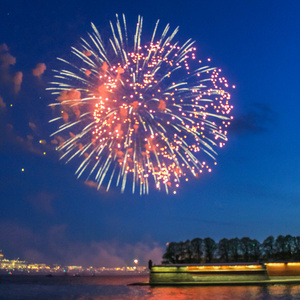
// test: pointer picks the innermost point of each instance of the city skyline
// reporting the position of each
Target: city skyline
(17, 266)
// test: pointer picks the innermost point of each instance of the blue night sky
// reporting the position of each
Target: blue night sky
(48, 215)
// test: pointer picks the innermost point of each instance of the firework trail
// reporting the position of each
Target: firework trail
(145, 114)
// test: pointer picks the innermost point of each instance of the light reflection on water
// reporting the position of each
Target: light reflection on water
(226, 293)
(116, 287)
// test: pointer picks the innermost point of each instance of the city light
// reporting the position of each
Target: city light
(21, 266)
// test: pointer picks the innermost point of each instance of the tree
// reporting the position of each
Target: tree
(184, 252)
(234, 246)
(170, 256)
(289, 242)
(245, 244)
(224, 250)
(297, 248)
(210, 247)
(268, 248)
(255, 250)
(280, 247)
(178, 253)
(197, 247)
(188, 251)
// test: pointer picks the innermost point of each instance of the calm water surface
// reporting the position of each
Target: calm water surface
(116, 287)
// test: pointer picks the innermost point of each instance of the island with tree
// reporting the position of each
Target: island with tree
(235, 261)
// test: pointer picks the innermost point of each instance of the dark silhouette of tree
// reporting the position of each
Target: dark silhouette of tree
(188, 251)
(184, 252)
(297, 248)
(170, 256)
(210, 247)
(234, 246)
(197, 249)
(280, 247)
(224, 250)
(268, 248)
(289, 242)
(246, 245)
(180, 252)
(255, 250)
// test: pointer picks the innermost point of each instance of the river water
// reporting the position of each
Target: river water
(116, 287)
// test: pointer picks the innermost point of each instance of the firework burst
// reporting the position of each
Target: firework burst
(147, 114)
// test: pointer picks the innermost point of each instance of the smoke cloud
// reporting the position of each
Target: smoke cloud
(17, 80)
(91, 183)
(2, 103)
(6, 59)
(39, 70)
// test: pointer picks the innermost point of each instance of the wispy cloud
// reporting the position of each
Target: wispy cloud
(204, 221)
(257, 120)
(42, 202)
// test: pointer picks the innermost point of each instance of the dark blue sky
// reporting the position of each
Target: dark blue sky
(48, 215)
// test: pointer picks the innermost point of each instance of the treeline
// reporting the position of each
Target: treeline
(283, 248)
